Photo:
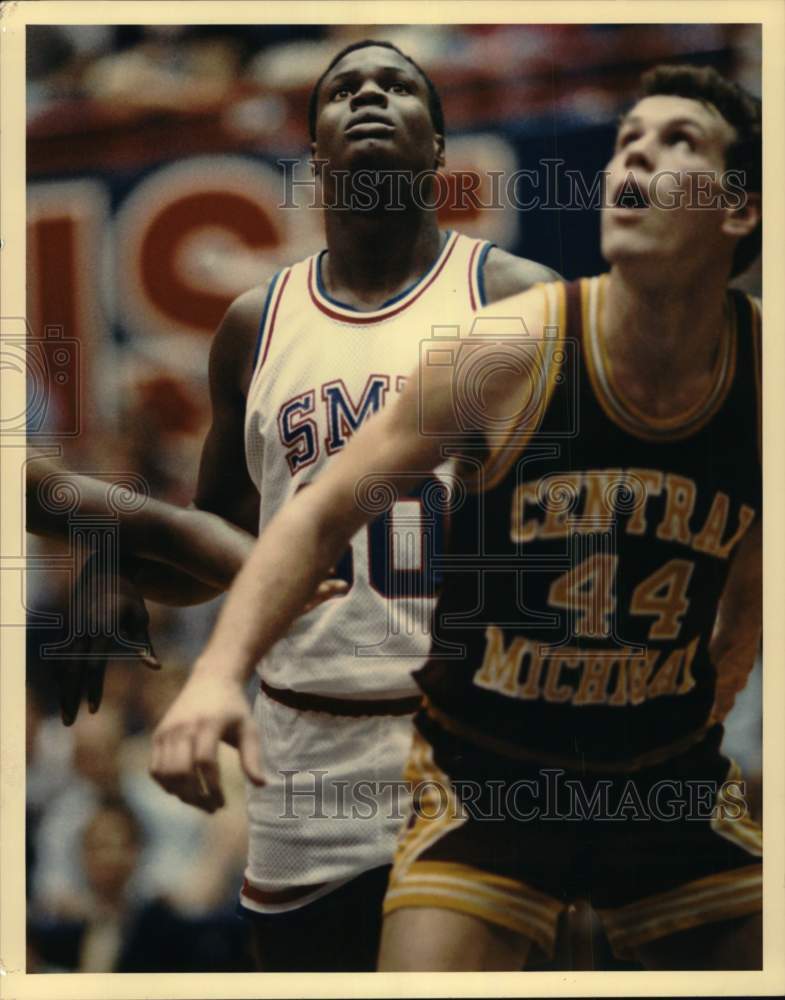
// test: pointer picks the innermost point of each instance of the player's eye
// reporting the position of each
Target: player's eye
(679, 135)
(626, 138)
(400, 88)
(340, 94)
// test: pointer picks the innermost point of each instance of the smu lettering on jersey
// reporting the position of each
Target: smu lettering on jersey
(584, 573)
(322, 368)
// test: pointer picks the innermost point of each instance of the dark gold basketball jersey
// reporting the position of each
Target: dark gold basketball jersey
(583, 576)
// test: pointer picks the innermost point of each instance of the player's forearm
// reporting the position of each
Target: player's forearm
(193, 555)
(48, 484)
(163, 584)
(195, 542)
(180, 556)
(291, 558)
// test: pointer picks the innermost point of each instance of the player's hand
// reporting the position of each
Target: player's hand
(112, 620)
(326, 591)
(185, 742)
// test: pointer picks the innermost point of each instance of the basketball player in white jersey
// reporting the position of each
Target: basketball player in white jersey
(296, 366)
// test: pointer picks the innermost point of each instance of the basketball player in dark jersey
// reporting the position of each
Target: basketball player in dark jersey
(372, 109)
(601, 602)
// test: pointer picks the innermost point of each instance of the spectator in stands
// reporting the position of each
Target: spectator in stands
(111, 930)
(173, 835)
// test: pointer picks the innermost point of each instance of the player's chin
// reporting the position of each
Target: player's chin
(376, 153)
(619, 244)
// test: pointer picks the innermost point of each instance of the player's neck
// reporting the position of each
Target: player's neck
(662, 341)
(371, 258)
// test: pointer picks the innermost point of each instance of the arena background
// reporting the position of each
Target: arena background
(153, 199)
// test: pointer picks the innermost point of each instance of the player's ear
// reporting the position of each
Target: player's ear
(438, 151)
(741, 221)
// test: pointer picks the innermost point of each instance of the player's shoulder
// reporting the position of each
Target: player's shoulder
(525, 303)
(505, 274)
(234, 344)
(246, 310)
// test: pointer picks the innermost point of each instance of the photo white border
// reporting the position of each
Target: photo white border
(14, 983)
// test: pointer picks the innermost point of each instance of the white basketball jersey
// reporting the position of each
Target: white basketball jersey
(321, 369)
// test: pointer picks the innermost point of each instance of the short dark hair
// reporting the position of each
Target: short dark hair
(739, 109)
(434, 101)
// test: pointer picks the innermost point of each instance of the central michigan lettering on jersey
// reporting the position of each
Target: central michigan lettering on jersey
(587, 594)
(321, 370)
(526, 669)
(559, 498)
(343, 416)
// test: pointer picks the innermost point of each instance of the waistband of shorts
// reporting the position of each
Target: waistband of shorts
(504, 748)
(302, 701)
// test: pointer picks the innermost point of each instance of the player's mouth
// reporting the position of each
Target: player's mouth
(630, 194)
(369, 126)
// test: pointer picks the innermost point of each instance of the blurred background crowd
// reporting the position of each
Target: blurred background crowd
(153, 199)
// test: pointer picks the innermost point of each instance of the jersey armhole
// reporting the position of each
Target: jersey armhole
(266, 320)
(479, 272)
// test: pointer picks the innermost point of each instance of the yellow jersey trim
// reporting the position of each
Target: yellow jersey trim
(621, 410)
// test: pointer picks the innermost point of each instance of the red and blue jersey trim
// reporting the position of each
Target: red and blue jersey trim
(269, 316)
(348, 314)
(477, 273)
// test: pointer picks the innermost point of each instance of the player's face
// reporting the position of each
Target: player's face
(663, 184)
(373, 113)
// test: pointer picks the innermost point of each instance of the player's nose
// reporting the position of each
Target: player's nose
(370, 93)
(641, 152)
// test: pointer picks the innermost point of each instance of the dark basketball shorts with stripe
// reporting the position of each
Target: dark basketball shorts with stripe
(655, 851)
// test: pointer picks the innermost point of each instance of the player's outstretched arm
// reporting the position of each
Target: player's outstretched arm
(296, 552)
(202, 547)
(298, 549)
(190, 553)
(169, 554)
